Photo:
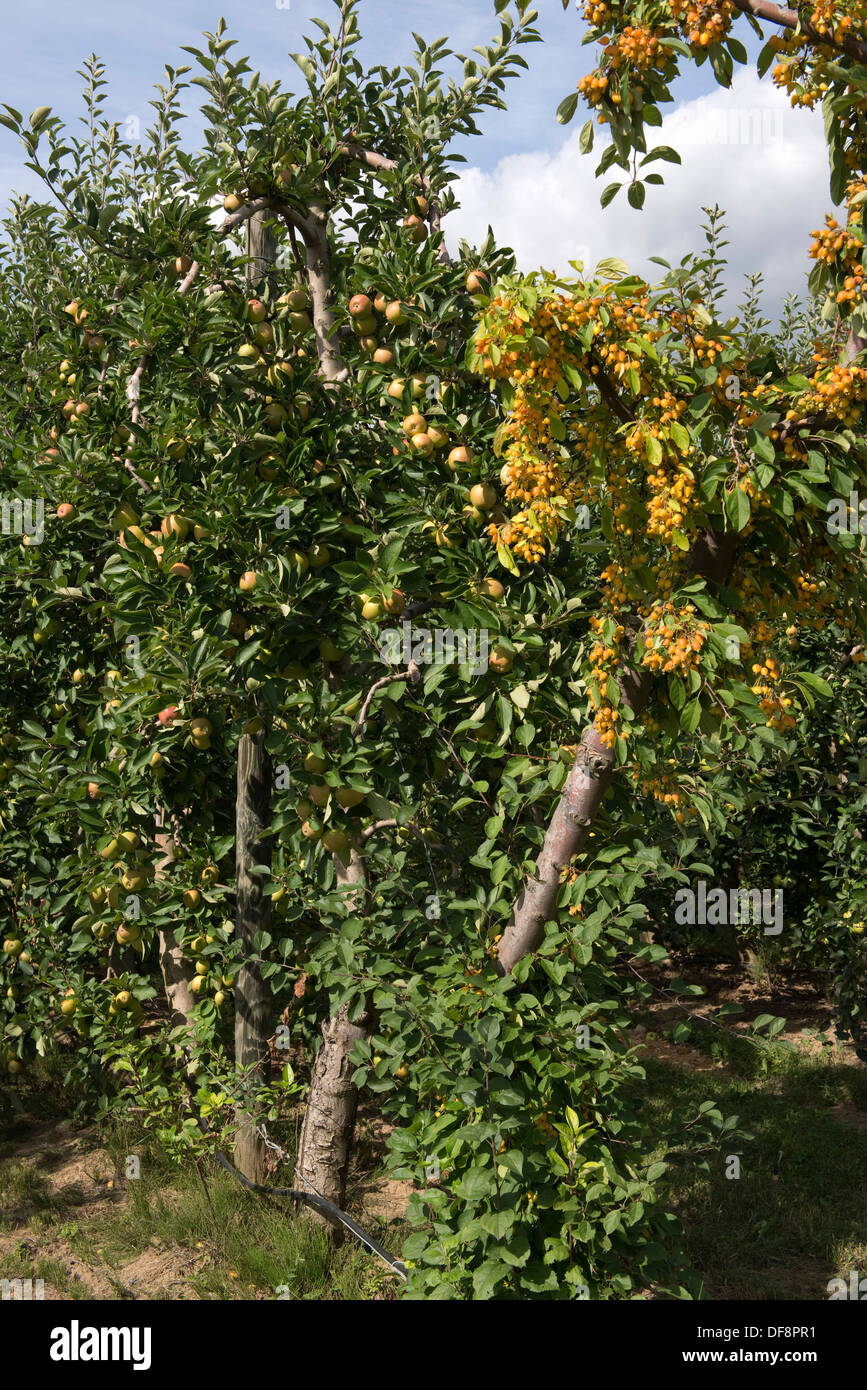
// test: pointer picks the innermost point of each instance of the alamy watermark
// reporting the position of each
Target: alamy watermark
(735, 907)
(740, 125)
(847, 516)
(23, 517)
(439, 647)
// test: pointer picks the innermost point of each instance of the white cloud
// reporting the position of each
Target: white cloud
(746, 149)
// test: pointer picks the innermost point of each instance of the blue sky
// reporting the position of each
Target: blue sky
(521, 152)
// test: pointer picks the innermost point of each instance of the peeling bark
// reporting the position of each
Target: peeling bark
(325, 1146)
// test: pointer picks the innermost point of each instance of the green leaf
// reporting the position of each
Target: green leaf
(566, 110)
(585, 139)
(690, 716)
(609, 193)
(662, 152)
(737, 506)
(635, 194)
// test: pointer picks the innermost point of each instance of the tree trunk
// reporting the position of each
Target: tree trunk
(253, 914)
(252, 846)
(177, 970)
(325, 1146)
(712, 557)
(262, 248)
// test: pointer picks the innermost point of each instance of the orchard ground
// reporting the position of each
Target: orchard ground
(796, 1217)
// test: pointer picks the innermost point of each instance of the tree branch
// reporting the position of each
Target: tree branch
(790, 19)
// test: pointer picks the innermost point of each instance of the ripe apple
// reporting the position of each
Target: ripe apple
(460, 457)
(491, 588)
(500, 660)
(256, 311)
(166, 715)
(384, 357)
(299, 322)
(286, 176)
(180, 570)
(438, 437)
(12, 946)
(371, 610)
(414, 424)
(439, 346)
(128, 934)
(264, 336)
(360, 306)
(111, 850)
(416, 229)
(394, 604)
(174, 525)
(319, 794)
(476, 282)
(197, 984)
(484, 496)
(422, 443)
(311, 830)
(210, 873)
(128, 840)
(395, 388)
(66, 511)
(335, 840)
(68, 1006)
(77, 676)
(298, 560)
(93, 791)
(248, 581)
(319, 556)
(183, 265)
(232, 202)
(347, 797)
(275, 415)
(394, 312)
(313, 763)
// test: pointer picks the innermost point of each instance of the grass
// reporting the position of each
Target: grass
(221, 1241)
(795, 1218)
(797, 1215)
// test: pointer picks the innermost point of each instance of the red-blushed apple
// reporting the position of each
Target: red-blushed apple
(66, 511)
(360, 306)
(460, 457)
(256, 311)
(248, 581)
(166, 715)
